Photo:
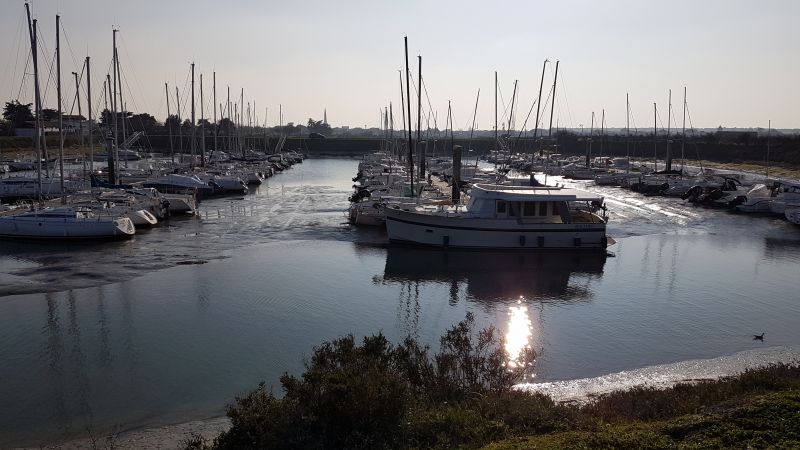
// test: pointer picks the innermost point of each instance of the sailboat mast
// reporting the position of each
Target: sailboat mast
(228, 131)
(80, 112)
(602, 131)
(169, 125)
(408, 103)
(202, 127)
(769, 134)
(114, 90)
(241, 121)
(496, 150)
(589, 143)
(655, 141)
(89, 112)
(266, 140)
(420, 150)
(60, 113)
(37, 100)
(511, 113)
(391, 129)
(683, 130)
(553, 102)
(669, 123)
(402, 99)
(538, 108)
(112, 172)
(119, 92)
(193, 136)
(180, 122)
(214, 89)
(628, 129)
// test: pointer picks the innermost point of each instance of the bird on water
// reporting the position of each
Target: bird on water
(757, 337)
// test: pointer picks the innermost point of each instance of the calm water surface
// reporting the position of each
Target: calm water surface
(127, 334)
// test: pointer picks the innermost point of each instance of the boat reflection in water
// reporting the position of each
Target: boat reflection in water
(506, 282)
(498, 276)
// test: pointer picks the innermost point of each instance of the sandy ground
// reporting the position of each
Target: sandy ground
(161, 437)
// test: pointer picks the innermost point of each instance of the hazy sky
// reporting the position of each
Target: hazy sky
(738, 59)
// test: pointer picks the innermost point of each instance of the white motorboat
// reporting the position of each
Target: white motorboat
(64, 223)
(787, 196)
(506, 217)
(762, 199)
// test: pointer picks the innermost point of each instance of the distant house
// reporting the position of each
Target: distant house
(72, 125)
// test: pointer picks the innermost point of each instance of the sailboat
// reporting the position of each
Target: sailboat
(65, 222)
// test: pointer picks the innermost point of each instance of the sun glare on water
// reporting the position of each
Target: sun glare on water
(519, 335)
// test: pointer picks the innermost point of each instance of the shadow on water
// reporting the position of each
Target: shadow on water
(497, 276)
(782, 248)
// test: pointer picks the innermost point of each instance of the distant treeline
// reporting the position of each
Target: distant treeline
(746, 148)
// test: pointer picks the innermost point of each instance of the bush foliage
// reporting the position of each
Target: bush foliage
(379, 395)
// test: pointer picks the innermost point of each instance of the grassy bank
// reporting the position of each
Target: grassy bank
(375, 394)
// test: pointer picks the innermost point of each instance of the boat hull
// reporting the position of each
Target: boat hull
(438, 231)
(61, 229)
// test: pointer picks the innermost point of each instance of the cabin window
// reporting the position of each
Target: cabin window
(529, 209)
(501, 207)
(543, 208)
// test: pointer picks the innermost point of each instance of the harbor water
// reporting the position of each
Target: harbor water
(174, 323)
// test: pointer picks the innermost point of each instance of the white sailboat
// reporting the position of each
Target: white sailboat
(64, 223)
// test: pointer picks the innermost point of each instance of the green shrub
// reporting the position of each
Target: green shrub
(379, 395)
